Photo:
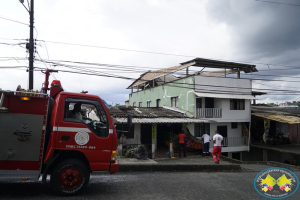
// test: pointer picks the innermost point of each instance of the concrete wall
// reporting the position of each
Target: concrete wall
(230, 132)
(223, 85)
(259, 154)
(184, 92)
(232, 115)
(137, 135)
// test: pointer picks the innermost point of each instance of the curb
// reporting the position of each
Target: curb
(283, 165)
(178, 167)
(242, 162)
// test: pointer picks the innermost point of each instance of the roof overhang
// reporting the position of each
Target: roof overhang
(279, 118)
(162, 120)
(202, 62)
(224, 96)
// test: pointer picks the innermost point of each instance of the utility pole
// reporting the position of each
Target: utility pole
(31, 46)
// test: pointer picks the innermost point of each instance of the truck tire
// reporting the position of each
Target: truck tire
(69, 177)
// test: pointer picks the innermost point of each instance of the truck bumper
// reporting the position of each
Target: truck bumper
(114, 167)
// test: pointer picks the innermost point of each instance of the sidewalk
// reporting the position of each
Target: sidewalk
(192, 163)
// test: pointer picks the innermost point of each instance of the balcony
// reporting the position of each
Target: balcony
(209, 112)
(233, 144)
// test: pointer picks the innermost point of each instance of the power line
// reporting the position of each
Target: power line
(135, 69)
(256, 79)
(10, 67)
(120, 49)
(161, 53)
(12, 44)
(97, 73)
(14, 21)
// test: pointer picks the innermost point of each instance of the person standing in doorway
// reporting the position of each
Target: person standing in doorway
(216, 152)
(181, 137)
(206, 140)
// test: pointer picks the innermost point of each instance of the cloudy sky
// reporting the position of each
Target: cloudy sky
(261, 33)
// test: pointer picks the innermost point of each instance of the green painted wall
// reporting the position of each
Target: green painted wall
(177, 88)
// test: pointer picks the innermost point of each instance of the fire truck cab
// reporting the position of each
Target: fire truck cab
(64, 135)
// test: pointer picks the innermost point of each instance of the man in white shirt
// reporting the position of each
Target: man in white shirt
(206, 140)
(216, 152)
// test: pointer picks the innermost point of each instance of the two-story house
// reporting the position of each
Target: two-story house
(218, 96)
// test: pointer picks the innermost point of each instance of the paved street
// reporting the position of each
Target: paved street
(151, 185)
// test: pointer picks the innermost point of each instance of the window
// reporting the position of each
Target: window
(148, 104)
(174, 102)
(124, 127)
(198, 102)
(237, 104)
(201, 128)
(157, 102)
(87, 112)
(234, 125)
(133, 104)
(140, 104)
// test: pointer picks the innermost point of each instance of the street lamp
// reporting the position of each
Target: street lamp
(30, 45)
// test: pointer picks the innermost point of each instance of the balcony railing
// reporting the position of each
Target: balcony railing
(209, 112)
(234, 141)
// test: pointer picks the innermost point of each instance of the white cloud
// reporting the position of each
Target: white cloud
(211, 29)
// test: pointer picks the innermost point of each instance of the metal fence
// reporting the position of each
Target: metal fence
(234, 141)
(209, 112)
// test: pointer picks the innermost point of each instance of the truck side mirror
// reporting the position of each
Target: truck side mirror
(129, 121)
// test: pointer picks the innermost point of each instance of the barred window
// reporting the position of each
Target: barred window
(237, 104)
(201, 129)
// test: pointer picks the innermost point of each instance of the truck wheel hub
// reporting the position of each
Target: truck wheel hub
(70, 178)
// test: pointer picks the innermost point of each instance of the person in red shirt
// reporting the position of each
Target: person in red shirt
(181, 137)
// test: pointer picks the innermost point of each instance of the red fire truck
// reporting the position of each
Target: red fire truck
(65, 135)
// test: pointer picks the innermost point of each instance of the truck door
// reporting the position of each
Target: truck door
(84, 127)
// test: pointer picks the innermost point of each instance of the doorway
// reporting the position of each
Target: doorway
(222, 130)
(146, 132)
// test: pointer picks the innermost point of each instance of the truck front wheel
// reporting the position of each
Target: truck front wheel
(69, 177)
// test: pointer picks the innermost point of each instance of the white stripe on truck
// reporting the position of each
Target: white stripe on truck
(70, 129)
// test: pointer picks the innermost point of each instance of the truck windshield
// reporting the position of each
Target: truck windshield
(89, 113)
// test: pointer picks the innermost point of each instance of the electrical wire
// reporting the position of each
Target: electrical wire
(12, 20)
(160, 53)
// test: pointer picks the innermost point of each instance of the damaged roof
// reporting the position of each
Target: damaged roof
(150, 115)
(151, 75)
(275, 110)
(202, 62)
(143, 112)
(231, 67)
(279, 114)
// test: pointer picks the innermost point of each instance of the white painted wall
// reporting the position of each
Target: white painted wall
(232, 115)
(137, 135)
(227, 85)
(230, 132)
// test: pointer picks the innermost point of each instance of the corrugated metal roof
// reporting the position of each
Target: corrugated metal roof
(162, 120)
(279, 118)
(224, 96)
(202, 62)
(143, 112)
(275, 110)
(148, 76)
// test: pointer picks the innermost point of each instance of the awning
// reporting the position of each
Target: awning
(225, 96)
(161, 120)
(279, 118)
